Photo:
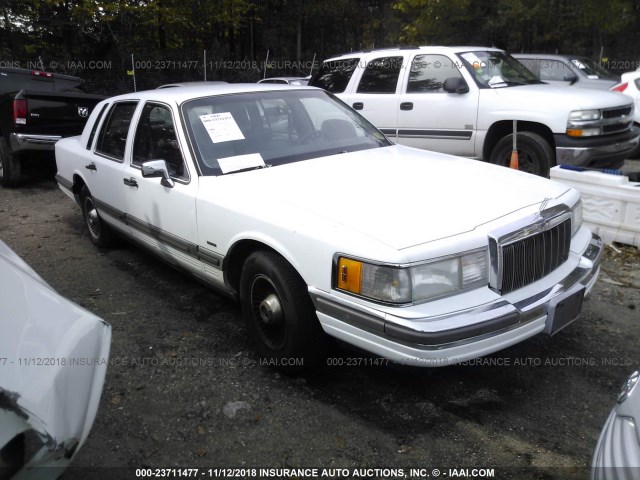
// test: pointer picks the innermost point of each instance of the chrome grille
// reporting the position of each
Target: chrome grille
(530, 249)
(530, 259)
(616, 112)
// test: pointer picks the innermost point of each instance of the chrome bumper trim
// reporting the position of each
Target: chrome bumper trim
(28, 141)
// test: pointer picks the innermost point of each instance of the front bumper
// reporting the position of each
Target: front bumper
(28, 141)
(464, 334)
(607, 151)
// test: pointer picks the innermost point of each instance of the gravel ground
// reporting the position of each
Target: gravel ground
(185, 388)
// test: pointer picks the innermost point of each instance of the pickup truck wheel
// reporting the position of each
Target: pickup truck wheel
(9, 166)
(534, 153)
(280, 316)
(100, 233)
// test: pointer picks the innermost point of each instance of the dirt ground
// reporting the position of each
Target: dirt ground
(185, 388)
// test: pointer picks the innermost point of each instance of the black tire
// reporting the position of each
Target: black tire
(534, 153)
(9, 166)
(100, 233)
(280, 315)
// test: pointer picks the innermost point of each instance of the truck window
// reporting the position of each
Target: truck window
(334, 76)
(113, 135)
(428, 73)
(381, 75)
(553, 70)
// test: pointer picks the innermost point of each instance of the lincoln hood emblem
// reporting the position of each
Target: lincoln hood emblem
(83, 112)
(544, 204)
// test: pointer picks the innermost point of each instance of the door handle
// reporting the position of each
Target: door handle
(358, 106)
(406, 106)
(91, 166)
(130, 182)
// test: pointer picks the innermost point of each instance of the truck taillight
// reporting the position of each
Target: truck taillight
(621, 87)
(20, 112)
(37, 73)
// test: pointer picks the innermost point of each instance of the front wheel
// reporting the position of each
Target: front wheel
(280, 315)
(100, 233)
(534, 153)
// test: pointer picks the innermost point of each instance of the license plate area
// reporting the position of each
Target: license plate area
(564, 309)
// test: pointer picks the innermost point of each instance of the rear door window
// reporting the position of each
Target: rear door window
(113, 135)
(381, 75)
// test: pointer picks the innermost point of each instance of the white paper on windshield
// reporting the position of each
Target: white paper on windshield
(221, 127)
(472, 59)
(239, 162)
(495, 81)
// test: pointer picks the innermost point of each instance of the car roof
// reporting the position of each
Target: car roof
(424, 49)
(190, 84)
(179, 95)
(546, 55)
(281, 78)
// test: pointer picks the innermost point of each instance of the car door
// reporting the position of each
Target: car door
(163, 217)
(429, 117)
(105, 164)
(377, 92)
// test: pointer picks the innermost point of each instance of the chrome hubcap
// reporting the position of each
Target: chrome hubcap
(268, 312)
(271, 309)
(93, 221)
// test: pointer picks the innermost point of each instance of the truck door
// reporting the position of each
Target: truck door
(377, 93)
(429, 117)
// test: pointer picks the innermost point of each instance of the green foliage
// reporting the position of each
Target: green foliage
(296, 30)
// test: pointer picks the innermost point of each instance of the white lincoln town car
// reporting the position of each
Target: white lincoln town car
(289, 201)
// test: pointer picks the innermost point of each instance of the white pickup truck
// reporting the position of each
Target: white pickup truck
(463, 101)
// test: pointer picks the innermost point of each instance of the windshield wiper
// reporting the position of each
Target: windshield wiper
(248, 169)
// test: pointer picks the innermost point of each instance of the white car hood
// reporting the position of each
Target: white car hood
(575, 99)
(396, 195)
(40, 390)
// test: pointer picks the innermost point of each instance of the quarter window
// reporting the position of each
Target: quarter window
(95, 127)
(381, 75)
(113, 136)
(428, 73)
(334, 76)
(156, 139)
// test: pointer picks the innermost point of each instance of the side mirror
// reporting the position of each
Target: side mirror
(571, 78)
(455, 85)
(158, 168)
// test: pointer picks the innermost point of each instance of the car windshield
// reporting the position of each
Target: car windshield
(496, 69)
(591, 69)
(244, 131)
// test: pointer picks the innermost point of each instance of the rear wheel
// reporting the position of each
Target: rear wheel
(280, 315)
(534, 153)
(100, 233)
(9, 166)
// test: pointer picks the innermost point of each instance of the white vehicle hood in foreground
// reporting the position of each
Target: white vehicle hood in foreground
(53, 360)
(396, 195)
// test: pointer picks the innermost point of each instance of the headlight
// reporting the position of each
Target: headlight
(584, 115)
(580, 123)
(576, 217)
(413, 284)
